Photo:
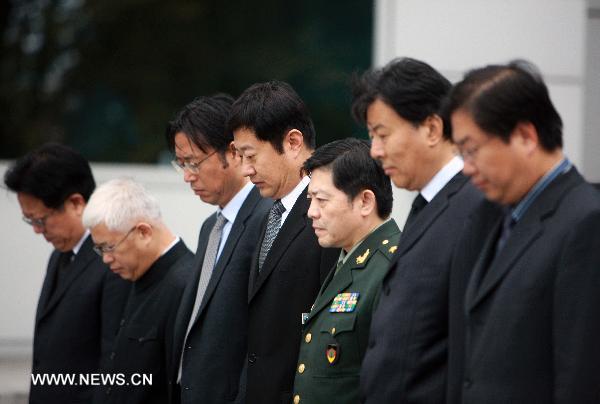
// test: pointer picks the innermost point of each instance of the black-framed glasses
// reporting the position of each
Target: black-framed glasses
(109, 249)
(38, 222)
(192, 166)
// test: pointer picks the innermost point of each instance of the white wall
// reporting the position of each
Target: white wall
(455, 36)
(25, 254)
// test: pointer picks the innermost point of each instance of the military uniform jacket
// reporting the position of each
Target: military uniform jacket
(287, 285)
(335, 334)
(144, 339)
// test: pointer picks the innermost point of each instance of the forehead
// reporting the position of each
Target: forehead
(321, 180)
(245, 139)
(184, 146)
(380, 115)
(102, 235)
(31, 205)
(464, 128)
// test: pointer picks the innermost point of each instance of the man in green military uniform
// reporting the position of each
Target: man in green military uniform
(351, 200)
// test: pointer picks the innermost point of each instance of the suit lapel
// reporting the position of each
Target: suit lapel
(238, 228)
(48, 282)
(430, 213)
(75, 270)
(294, 224)
(525, 232)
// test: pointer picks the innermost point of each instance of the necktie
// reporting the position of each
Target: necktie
(64, 260)
(417, 205)
(507, 225)
(273, 226)
(210, 257)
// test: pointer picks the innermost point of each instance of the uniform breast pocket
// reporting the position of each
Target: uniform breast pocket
(339, 346)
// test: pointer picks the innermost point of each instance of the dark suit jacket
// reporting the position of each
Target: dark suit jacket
(216, 345)
(75, 324)
(532, 312)
(143, 341)
(285, 288)
(406, 358)
(347, 332)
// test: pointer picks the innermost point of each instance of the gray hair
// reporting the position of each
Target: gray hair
(120, 203)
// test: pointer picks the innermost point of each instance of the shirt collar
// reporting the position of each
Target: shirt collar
(232, 208)
(344, 255)
(520, 208)
(80, 243)
(290, 199)
(441, 178)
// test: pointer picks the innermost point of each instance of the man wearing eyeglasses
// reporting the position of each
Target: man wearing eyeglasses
(81, 302)
(132, 239)
(528, 327)
(210, 334)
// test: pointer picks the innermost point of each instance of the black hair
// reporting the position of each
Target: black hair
(353, 170)
(413, 89)
(203, 121)
(270, 110)
(51, 173)
(498, 97)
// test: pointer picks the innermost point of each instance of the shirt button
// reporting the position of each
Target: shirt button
(296, 399)
(308, 338)
(301, 368)
(252, 358)
(112, 356)
(467, 383)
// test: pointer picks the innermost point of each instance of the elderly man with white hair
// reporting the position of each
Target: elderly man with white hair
(128, 232)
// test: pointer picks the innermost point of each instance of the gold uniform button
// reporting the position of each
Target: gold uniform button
(308, 338)
(296, 399)
(301, 368)
(384, 242)
(333, 331)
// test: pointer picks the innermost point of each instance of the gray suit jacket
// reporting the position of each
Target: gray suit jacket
(216, 346)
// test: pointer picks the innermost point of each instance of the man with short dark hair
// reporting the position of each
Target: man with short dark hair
(210, 331)
(528, 328)
(274, 135)
(350, 204)
(81, 301)
(406, 356)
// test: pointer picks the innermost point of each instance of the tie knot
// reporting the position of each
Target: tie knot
(221, 220)
(419, 202)
(278, 208)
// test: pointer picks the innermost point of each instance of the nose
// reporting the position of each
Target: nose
(188, 176)
(248, 170)
(469, 168)
(376, 148)
(107, 258)
(313, 210)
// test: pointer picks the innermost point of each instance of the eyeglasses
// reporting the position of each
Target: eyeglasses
(38, 222)
(191, 166)
(109, 249)
(470, 153)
